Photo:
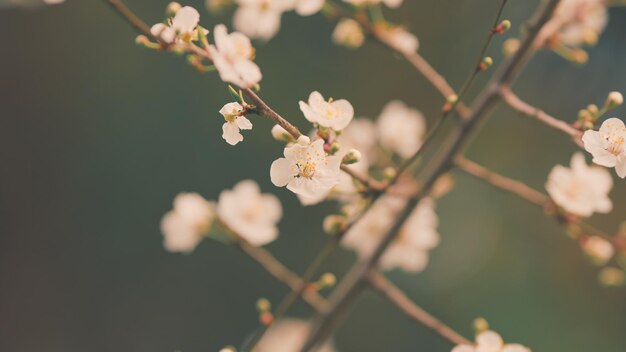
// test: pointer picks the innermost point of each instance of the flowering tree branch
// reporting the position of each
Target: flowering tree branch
(281, 272)
(517, 188)
(399, 299)
(324, 323)
(517, 104)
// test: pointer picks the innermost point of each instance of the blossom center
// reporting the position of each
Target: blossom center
(616, 144)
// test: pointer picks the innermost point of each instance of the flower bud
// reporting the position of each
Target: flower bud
(579, 56)
(228, 349)
(172, 8)
(480, 325)
(503, 26)
(599, 250)
(334, 224)
(389, 173)
(614, 100)
(328, 280)
(612, 277)
(510, 46)
(485, 63)
(263, 305)
(334, 148)
(353, 156)
(217, 6)
(442, 186)
(304, 140)
(280, 134)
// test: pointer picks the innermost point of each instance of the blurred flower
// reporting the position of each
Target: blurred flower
(398, 38)
(332, 114)
(583, 21)
(308, 7)
(348, 33)
(409, 250)
(235, 121)
(607, 145)
(390, 3)
(598, 249)
(251, 214)
(232, 56)
(580, 189)
(490, 341)
(260, 18)
(288, 335)
(401, 129)
(185, 225)
(183, 26)
(306, 169)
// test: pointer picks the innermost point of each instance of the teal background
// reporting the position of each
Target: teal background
(97, 136)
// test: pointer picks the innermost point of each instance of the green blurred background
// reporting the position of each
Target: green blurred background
(97, 136)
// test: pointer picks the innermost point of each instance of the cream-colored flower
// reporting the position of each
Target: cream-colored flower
(349, 33)
(401, 129)
(235, 121)
(490, 341)
(335, 114)
(183, 26)
(288, 335)
(583, 21)
(306, 169)
(398, 38)
(598, 249)
(232, 56)
(251, 214)
(580, 189)
(260, 19)
(607, 145)
(190, 220)
(409, 250)
(308, 7)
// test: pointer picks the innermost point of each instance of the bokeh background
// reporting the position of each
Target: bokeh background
(97, 136)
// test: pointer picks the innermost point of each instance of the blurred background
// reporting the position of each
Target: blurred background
(97, 136)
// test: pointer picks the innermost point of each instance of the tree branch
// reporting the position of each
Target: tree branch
(516, 187)
(517, 104)
(339, 301)
(399, 299)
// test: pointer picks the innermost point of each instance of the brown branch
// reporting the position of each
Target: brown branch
(281, 273)
(517, 104)
(516, 187)
(399, 299)
(339, 302)
(130, 17)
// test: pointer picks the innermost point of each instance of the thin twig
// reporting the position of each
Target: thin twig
(399, 299)
(516, 187)
(282, 273)
(339, 301)
(517, 104)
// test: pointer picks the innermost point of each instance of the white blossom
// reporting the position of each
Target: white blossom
(183, 26)
(349, 33)
(401, 129)
(598, 249)
(288, 335)
(390, 3)
(335, 114)
(583, 21)
(249, 213)
(409, 250)
(232, 56)
(235, 121)
(185, 225)
(306, 169)
(399, 38)
(580, 189)
(308, 7)
(260, 18)
(607, 145)
(490, 341)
